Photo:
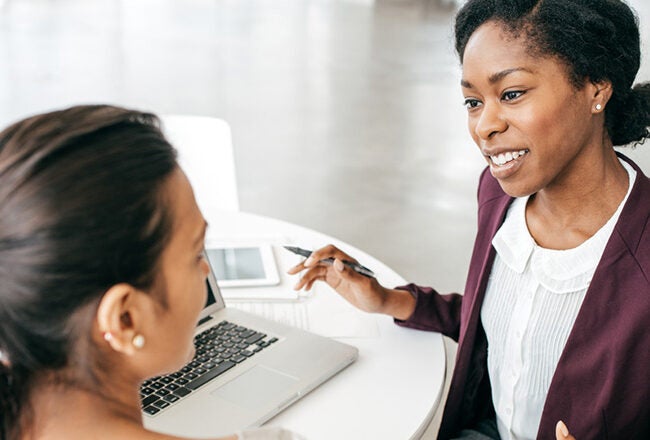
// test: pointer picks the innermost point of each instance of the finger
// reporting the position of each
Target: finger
(296, 269)
(310, 284)
(347, 273)
(329, 251)
(311, 274)
(562, 432)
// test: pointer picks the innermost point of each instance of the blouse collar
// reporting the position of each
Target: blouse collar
(559, 271)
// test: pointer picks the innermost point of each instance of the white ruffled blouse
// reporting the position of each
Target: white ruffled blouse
(532, 300)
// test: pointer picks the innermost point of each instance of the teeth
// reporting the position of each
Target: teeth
(503, 158)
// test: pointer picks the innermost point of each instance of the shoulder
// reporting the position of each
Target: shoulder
(490, 195)
(634, 223)
(489, 188)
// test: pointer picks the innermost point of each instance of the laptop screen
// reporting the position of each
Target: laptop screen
(210, 300)
(214, 300)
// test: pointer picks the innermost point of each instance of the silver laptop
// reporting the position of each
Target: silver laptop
(246, 370)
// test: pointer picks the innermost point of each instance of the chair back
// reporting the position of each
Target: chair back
(205, 153)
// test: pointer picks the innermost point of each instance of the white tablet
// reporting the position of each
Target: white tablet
(243, 266)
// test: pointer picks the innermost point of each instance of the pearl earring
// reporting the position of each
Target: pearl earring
(4, 360)
(138, 341)
(599, 107)
(108, 336)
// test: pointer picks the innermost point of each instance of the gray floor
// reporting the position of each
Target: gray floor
(347, 116)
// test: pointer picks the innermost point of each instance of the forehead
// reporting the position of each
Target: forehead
(186, 214)
(492, 49)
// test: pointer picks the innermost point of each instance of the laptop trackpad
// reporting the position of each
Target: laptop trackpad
(256, 387)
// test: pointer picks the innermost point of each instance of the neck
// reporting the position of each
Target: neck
(564, 215)
(86, 409)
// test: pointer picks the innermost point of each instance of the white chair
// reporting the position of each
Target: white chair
(205, 153)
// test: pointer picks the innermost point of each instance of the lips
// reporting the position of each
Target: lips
(505, 164)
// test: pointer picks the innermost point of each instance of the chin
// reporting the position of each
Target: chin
(180, 363)
(190, 355)
(516, 190)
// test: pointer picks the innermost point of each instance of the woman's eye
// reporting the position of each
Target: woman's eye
(471, 103)
(511, 95)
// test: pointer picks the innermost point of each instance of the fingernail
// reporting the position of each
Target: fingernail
(308, 261)
(338, 265)
(563, 429)
(296, 287)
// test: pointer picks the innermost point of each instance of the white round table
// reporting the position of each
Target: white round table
(392, 391)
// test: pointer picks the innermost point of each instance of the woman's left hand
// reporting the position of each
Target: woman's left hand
(562, 432)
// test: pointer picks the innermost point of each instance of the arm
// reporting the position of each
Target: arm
(433, 311)
(363, 292)
(411, 306)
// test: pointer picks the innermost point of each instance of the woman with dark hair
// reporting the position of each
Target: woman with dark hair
(102, 274)
(553, 324)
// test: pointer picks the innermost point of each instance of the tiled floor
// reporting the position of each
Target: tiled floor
(346, 115)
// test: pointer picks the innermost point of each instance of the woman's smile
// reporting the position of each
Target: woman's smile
(506, 163)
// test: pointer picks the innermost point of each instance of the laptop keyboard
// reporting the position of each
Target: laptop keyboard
(218, 349)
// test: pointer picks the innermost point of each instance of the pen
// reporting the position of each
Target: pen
(354, 266)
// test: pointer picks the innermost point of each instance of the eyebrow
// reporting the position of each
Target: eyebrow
(202, 235)
(496, 77)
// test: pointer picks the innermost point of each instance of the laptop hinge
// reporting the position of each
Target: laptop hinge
(204, 320)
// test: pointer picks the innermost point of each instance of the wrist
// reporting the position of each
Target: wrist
(399, 304)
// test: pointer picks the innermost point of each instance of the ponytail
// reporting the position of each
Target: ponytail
(627, 115)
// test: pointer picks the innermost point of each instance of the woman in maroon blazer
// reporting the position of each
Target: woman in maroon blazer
(549, 93)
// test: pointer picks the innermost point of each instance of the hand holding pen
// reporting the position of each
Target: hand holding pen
(344, 274)
(354, 282)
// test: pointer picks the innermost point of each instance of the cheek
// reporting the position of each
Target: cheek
(189, 307)
(202, 288)
(536, 118)
(558, 124)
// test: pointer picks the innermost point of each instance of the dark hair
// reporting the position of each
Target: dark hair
(82, 208)
(596, 39)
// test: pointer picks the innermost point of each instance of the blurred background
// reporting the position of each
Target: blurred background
(346, 115)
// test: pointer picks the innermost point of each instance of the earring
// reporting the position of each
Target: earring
(108, 336)
(599, 107)
(4, 360)
(138, 341)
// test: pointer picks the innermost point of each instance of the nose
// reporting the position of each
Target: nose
(490, 122)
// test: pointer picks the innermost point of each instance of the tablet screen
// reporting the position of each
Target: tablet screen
(240, 263)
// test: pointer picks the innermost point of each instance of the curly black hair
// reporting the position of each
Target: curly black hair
(596, 39)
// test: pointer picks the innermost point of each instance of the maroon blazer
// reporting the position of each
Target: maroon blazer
(601, 387)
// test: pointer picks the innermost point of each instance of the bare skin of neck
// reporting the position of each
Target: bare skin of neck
(567, 213)
(75, 413)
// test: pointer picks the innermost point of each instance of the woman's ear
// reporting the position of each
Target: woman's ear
(120, 318)
(601, 93)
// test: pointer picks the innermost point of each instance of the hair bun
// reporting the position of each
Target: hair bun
(628, 117)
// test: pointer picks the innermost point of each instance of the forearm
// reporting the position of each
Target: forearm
(432, 311)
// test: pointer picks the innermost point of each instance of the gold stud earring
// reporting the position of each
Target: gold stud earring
(599, 107)
(138, 341)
